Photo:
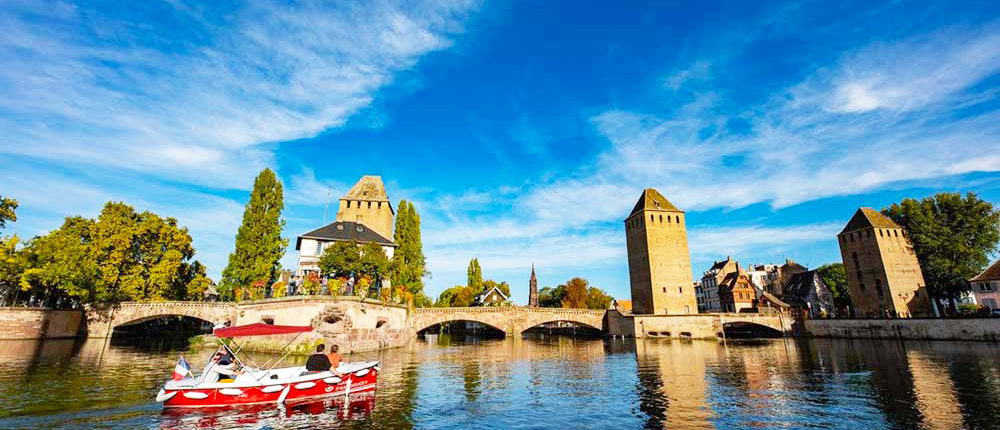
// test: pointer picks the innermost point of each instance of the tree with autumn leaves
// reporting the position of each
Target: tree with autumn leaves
(121, 255)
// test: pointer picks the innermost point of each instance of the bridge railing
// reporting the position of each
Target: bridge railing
(492, 309)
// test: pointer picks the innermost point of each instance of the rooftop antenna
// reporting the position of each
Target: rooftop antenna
(326, 207)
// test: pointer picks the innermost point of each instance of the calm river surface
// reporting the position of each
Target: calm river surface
(555, 382)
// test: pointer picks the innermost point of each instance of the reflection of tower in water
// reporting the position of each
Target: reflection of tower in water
(672, 384)
(935, 392)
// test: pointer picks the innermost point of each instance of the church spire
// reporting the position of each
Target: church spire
(533, 289)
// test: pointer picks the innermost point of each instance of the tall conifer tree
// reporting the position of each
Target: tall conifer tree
(408, 259)
(259, 245)
(475, 276)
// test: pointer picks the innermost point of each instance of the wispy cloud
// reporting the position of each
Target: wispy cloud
(807, 142)
(196, 105)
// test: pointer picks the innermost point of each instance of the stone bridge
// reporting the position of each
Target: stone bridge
(511, 320)
(102, 322)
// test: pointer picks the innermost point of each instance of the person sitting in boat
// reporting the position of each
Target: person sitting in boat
(334, 359)
(221, 368)
(318, 362)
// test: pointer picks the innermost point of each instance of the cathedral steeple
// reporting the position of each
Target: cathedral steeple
(533, 289)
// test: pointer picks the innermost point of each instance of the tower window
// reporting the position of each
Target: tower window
(651, 218)
(661, 219)
(862, 286)
(664, 289)
(348, 204)
(680, 290)
(896, 232)
(369, 205)
(678, 218)
(878, 287)
(860, 278)
(880, 233)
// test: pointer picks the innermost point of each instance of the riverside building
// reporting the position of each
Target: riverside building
(658, 259)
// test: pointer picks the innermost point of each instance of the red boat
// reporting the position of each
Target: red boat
(257, 385)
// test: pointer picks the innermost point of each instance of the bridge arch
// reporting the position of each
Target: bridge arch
(102, 322)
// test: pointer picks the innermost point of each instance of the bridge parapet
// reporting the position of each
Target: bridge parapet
(511, 320)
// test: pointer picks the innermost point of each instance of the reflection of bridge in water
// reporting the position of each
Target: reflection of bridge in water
(512, 321)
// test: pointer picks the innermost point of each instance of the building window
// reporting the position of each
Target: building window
(678, 219)
(862, 286)
(680, 290)
(664, 289)
(984, 287)
(878, 288)
(369, 205)
(651, 218)
(661, 219)
(896, 232)
(880, 233)
(348, 204)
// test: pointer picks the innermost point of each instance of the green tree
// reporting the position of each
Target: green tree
(374, 263)
(11, 267)
(835, 277)
(549, 297)
(123, 255)
(952, 237)
(341, 260)
(8, 207)
(457, 296)
(409, 265)
(475, 276)
(259, 245)
(598, 299)
(576, 294)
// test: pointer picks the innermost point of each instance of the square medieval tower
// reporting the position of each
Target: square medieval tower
(659, 264)
(883, 274)
(367, 203)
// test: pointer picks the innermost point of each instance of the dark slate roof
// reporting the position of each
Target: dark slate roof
(345, 231)
(991, 273)
(868, 218)
(774, 299)
(653, 200)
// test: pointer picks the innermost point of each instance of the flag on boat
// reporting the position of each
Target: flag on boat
(181, 370)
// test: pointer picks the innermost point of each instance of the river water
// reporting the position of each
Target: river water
(544, 382)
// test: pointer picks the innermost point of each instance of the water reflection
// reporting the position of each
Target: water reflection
(449, 381)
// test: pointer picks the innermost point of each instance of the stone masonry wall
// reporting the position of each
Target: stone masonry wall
(35, 323)
(913, 328)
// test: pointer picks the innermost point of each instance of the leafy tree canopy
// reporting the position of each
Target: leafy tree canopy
(8, 207)
(475, 275)
(409, 266)
(952, 236)
(123, 255)
(835, 277)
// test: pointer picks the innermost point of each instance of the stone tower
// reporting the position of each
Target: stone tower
(659, 264)
(533, 289)
(368, 204)
(883, 274)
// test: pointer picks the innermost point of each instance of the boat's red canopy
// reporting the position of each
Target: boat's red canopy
(260, 329)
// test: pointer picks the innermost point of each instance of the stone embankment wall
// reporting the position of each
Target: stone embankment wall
(913, 328)
(352, 324)
(38, 323)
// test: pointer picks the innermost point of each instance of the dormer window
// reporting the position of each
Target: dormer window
(340, 227)
(361, 228)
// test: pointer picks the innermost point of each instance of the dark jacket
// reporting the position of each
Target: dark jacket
(318, 363)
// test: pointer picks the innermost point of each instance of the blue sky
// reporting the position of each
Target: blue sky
(524, 132)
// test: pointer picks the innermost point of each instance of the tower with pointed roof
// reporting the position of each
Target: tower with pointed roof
(365, 216)
(533, 289)
(367, 203)
(659, 264)
(883, 274)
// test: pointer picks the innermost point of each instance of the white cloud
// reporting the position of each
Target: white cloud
(803, 144)
(698, 71)
(194, 105)
(909, 74)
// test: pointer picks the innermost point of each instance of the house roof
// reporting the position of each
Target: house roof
(991, 273)
(369, 188)
(868, 218)
(490, 291)
(345, 231)
(774, 299)
(625, 305)
(802, 282)
(653, 200)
